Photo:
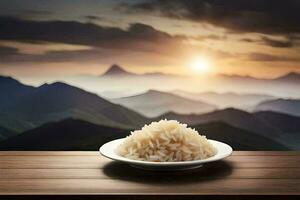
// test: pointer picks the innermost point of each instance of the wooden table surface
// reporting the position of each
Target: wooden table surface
(78, 175)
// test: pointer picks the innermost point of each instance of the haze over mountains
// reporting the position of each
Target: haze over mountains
(154, 103)
(118, 79)
(117, 71)
(228, 99)
(26, 111)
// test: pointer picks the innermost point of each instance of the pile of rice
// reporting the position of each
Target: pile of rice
(166, 141)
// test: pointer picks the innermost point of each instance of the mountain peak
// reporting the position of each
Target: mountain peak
(116, 70)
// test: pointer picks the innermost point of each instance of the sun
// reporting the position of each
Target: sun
(200, 65)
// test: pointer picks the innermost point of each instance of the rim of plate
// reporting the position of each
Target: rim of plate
(108, 150)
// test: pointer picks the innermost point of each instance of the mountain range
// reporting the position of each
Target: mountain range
(154, 103)
(71, 134)
(117, 78)
(118, 71)
(27, 109)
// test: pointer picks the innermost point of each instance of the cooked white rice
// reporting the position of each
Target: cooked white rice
(166, 141)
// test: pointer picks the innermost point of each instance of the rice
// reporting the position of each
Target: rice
(166, 141)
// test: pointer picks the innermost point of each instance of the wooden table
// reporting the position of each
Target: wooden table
(87, 175)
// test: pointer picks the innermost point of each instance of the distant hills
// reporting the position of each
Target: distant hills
(228, 99)
(73, 134)
(292, 77)
(239, 87)
(154, 103)
(118, 71)
(288, 106)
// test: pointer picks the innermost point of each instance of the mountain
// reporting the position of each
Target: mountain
(154, 103)
(57, 101)
(231, 116)
(291, 77)
(12, 90)
(228, 99)
(288, 106)
(239, 139)
(69, 134)
(116, 70)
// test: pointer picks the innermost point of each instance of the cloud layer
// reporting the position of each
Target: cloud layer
(261, 16)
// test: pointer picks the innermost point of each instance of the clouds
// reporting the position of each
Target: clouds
(138, 36)
(261, 16)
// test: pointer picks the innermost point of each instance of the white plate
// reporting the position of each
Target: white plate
(108, 150)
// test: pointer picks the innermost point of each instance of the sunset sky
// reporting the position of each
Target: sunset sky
(45, 38)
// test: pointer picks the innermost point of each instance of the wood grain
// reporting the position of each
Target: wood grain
(244, 175)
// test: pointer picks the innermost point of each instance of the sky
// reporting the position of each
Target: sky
(43, 38)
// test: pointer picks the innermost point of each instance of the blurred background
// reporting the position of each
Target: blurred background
(76, 74)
